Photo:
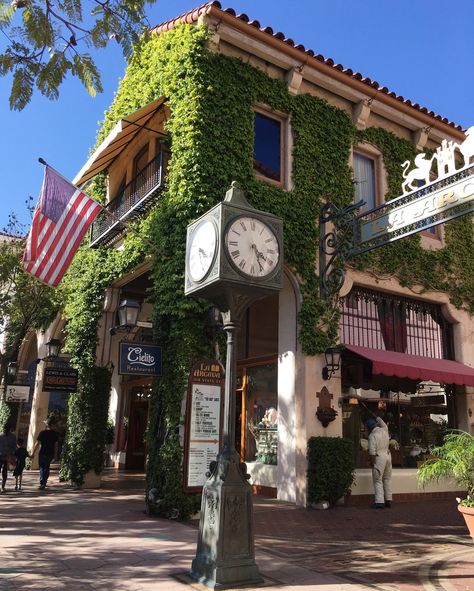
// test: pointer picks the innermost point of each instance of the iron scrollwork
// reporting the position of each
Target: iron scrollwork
(335, 246)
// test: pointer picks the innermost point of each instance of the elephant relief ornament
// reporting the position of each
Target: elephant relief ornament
(445, 159)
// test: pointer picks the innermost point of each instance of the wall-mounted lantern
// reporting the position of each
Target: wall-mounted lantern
(12, 368)
(128, 311)
(333, 361)
(52, 347)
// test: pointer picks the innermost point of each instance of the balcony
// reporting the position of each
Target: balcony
(138, 197)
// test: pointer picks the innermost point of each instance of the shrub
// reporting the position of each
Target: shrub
(453, 460)
(330, 470)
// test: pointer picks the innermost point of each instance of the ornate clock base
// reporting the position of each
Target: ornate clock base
(225, 554)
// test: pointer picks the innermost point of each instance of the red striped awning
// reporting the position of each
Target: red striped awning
(413, 367)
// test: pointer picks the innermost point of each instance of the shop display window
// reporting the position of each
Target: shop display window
(260, 409)
(256, 427)
(417, 422)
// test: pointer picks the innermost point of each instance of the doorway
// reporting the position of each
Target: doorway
(137, 424)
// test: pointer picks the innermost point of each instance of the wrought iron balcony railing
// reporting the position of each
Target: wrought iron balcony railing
(132, 202)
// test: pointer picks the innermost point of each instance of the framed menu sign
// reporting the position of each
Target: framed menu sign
(204, 415)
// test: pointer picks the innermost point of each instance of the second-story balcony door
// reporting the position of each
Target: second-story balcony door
(139, 164)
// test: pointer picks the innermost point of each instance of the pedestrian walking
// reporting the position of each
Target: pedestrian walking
(47, 441)
(20, 454)
(381, 461)
(7, 449)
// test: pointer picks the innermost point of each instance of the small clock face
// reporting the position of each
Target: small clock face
(252, 246)
(202, 249)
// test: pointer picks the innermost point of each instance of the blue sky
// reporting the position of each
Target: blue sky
(420, 49)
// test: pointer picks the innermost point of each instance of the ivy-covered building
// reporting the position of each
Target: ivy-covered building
(211, 98)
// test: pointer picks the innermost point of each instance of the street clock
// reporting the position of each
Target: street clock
(234, 247)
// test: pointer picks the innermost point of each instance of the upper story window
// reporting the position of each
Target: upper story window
(365, 180)
(395, 323)
(268, 147)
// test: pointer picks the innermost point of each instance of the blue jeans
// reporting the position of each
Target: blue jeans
(44, 462)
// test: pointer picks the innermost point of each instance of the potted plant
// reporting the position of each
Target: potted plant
(326, 415)
(454, 460)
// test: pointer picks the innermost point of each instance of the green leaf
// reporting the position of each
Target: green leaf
(86, 70)
(6, 63)
(37, 27)
(72, 9)
(52, 75)
(22, 88)
(7, 12)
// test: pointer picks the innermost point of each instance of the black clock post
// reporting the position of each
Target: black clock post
(225, 554)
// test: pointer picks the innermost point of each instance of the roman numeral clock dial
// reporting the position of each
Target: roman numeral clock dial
(252, 247)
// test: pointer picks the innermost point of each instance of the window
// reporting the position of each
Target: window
(257, 413)
(365, 180)
(257, 384)
(395, 323)
(434, 231)
(267, 147)
(417, 415)
(416, 422)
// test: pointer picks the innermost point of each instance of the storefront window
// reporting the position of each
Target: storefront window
(416, 422)
(260, 408)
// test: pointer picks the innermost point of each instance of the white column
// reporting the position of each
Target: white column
(287, 359)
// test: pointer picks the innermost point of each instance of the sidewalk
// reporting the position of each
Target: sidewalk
(101, 540)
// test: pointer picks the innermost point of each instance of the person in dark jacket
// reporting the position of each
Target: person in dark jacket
(20, 454)
(7, 449)
(47, 440)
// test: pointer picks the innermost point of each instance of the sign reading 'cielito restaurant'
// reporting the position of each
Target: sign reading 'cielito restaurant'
(139, 359)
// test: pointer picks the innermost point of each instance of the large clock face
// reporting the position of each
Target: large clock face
(252, 246)
(202, 249)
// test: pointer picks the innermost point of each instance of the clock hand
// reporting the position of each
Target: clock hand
(201, 254)
(258, 255)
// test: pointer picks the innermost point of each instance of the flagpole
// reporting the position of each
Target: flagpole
(127, 225)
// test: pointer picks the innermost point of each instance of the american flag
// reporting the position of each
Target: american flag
(61, 218)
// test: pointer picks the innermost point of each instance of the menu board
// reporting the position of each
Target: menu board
(204, 408)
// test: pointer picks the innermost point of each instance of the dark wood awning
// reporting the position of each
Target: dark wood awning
(118, 139)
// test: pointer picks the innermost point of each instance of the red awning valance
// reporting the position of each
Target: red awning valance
(413, 367)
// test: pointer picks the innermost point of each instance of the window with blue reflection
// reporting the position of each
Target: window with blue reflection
(267, 147)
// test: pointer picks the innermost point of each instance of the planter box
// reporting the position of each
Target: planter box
(91, 480)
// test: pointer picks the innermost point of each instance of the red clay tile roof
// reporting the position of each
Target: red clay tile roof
(214, 7)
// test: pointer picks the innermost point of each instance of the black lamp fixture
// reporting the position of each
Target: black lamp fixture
(12, 368)
(128, 311)
(333, 361)
(52, 347)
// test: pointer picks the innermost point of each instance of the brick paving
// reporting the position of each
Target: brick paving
(101, 540)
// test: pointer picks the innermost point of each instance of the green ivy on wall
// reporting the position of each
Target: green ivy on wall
(211, 98)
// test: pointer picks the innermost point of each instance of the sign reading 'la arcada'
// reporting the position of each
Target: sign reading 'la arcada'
(435, 191)
(204, 405)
